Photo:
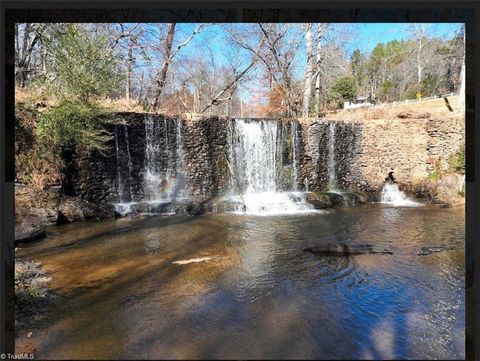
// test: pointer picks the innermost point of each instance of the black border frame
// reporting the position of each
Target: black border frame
(467, 12)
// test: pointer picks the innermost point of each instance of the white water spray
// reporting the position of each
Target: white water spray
(294, 130)
(120, 186)
(164, 181)
(254, 156)
(164, 178)
(392, 195)
(332, 177)
(125, 128)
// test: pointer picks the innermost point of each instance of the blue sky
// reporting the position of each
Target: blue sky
(370, 34)
(363, 36)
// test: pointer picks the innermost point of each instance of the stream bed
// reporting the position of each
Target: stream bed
(240, 286)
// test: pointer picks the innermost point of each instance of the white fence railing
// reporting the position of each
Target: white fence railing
(415, 100)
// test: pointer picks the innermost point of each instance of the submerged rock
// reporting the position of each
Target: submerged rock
(27, 233)
(337, 250)
(318, 200)
(329, 199)
(434, 249)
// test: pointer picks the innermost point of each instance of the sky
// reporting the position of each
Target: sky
(370, 34)
(363, 36)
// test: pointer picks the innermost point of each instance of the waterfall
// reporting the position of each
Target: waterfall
(127, 142)
(255, 155)
(181, 186)
(152, 152)
(294, 130)
(392, 195)
(120, 185)
(164, 178)
(332, 177)
(124, 200)
(255, 159)
(164, 181)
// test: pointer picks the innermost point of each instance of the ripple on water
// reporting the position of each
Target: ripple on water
(260, 295)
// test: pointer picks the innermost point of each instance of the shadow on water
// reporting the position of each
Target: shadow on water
(259, 296)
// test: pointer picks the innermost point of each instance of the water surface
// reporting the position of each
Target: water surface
(260, 295)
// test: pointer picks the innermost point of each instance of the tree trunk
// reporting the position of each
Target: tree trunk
(129, 71)
(140, 91)
(461, 94)
(419, 64)
(317, 80)
(309, 70)
(163, 72)
(27, 48)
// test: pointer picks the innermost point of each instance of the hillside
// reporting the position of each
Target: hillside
(436, 107)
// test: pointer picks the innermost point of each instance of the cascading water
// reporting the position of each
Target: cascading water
(294, 130)
(127, 142)
(392, 195)
(164, 181)
(120, 185)
(331, 165)
(254, 157)
(125, 199)
(332, 177)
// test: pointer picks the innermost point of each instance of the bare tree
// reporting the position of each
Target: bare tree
(163, 72)
(231, 86)
(461, 95)
(309, 69)
(321, 29)
(169, 55)
(419, 32)
(31, 35)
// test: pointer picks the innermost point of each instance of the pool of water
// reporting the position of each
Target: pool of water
(258, 295)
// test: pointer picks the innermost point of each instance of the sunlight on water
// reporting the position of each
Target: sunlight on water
(276, 203)
(241, 287)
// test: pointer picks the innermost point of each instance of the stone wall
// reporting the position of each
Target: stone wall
(206, 146)
(346, 142)
(365, 151)
(94, 175)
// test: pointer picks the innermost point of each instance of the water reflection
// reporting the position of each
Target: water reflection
(259, 295)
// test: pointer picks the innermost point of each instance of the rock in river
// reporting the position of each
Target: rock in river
(338, 250)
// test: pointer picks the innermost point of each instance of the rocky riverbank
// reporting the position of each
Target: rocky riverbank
(37, 209)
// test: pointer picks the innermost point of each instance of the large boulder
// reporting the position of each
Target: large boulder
(321, 200)
(25, 232)
(73, 209)
(318, 200)
(37, 209)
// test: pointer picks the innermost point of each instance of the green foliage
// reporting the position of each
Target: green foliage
(410, 92)
(457, 161)
(376, 58)
(358, 67)
(83, 66)
(435, 175)
(430, 84)
(344, 89)
(386, 89)
(74, 124)
(394, 52)
(29, 292)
